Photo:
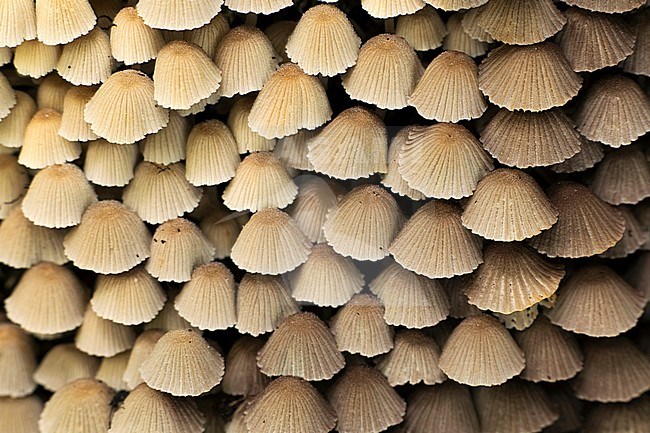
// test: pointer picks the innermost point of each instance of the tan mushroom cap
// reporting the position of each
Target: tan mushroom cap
(290, 404)
(17, 362)
(393, 179)
(35, 59)
(445, 407)
(607, 6)
(167, 145)
(243, 376)
(101, 337)
(473, 30)
(623, 177)
(20, 415)
(459, 306)
(111, 370)
(354, 145)
(424, 30)
(51, 92)
(454, 5)
(390, 9)
(42, 145)
(63, 364)
(481, 352)
(292, 150)
(18, 23)
(590, 154)
(386, 72)
(359, 327)
(140, 351)
(48, 299)
(212, 154)
(12, 127)
(597, 302)
(73, 65)
(289, 101)
(221, 228)
(316, 196)
(301, 346)
(458, 40)
(14, 182)
(508, 205)
(414, 359)
(124, 239)
(62, 21)
(522, 139)
(168, 319)
(614, 417)
(127, 27)
(544, 66)
(634, 237)
(208, 36)
(264, 7)
(178, 14)
(182, 363)
(73, 126)
(247, 140)
(110, 164)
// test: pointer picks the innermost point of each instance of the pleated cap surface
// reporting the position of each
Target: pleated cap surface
(167, 145)
(178, 14)
(247, 140)
(64, 364)
(264, 7)
(597, 302)
(393, 179)
(290, 404)
(481, 352)
(73, 126)
(212, 154)
(19, 22)
(124, 110)
(590, 154)
(20, 415)
(13, 126)
(454, 5)
(243, 376)
(508, 205)
(414, 359)
(101, 337)
(632, 416)
(128, 27)
(609, 7)
(109, 164)
(435, 244)
(17, 362)
(42, 145)
(441, 408)
(140, 351)
(363, 224)
(301, 346)
(623, 177)
(544, 66)
(125, 239)
(270, 243)
(74, 65)
(386, 72)
(458, 40)
(35, 59)
(390, 9)
(14, 182)
(60, 22)
(423, 30)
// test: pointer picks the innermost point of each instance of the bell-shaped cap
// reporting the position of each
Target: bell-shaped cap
(178, 14)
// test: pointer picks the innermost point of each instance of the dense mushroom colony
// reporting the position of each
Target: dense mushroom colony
(277, 216)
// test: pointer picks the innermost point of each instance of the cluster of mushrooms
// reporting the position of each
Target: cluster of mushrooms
(277, 216)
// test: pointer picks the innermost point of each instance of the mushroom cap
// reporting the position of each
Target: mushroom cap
(60, 22)
(243, 376)
(178, 14)
(73, 65)
(73, 126)
(35, 59)
(444, 406)
(17, 362)
(20, 24)
(12, 127)
(42, 144)
(390, 9)
(127, 27)
(101, 337)
(63, 364)
(110, 164)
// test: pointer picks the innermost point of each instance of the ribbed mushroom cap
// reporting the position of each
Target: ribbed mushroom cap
(586, 225)
(81, 406)
(512, 278)
(520, 22)
(14, 181)
(472, 29)
(326, 278)
(60, 22)
(243, 376)
(390, 9)
(634, 237)
(58, 196)
(434, 242)
(459, 306)
(365, 402)
(481, 352)
(316, 196)
(159, 193)
(48, 299)
(111, 239)
(184, 75)
(639, 61)
(247, 140)
(12, 127)
(51, 92)
(111, 370)
(42, 145)
(101, 337)
(607, 6)
(141, 350)
(597, 302)
(18, 22)
(414, 359)
(424, 30)
(17, 362)
(63, 364)
(458, 40)
(22, 243)
(261, 182)
(221, 228)
(178, 14)
(237, 424)
(207, 301)
(508, 205)
(443, 408)
(352, 146)
(20, 415)
(73, 126)
(612, 418)
(263, 302)
(168, 319)
(290, 404)
(8, 96)
(592, 41)
(110, 164)
(35, 59)
(359, 327)
(448, 90)
(364, 223)
(324, 42)
(292, 150)
(516, 406)
(146, 409)
(167, 145)
(130, 298)
(523, 139)
(544, 66)
(278, 33)
(386, 72)
(124, 110)
(454, 5)
(552, 354)
(410, 300)
(290, 100)
(270, 243)
(615, 371)
(590, 154)
(623, 177)
(212, 155)
(247, 59)
(128, 27)
(264, 7)
(393, 179)
(74, 65)
(301, 346)
(443, 161)
(182, 363)
(614, 111)
(208, 36)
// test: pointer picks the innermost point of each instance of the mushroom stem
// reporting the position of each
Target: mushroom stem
(389, 25)
(251, 19)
